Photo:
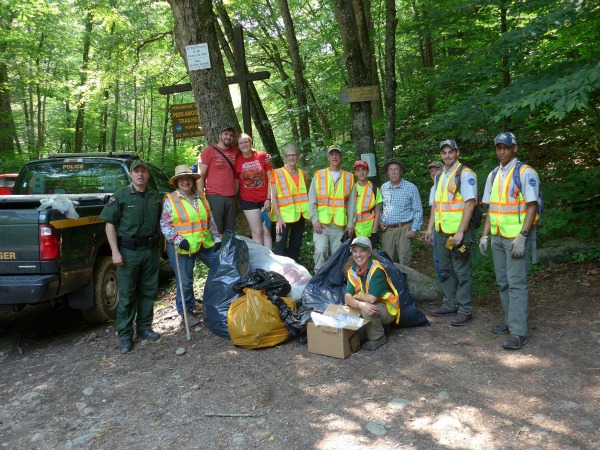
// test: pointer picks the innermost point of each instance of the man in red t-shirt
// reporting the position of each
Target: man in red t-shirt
(218, 180)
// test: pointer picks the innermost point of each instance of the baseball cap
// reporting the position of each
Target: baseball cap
(334, 148)
(449, 142)
(361, 163)
(435, 164)
(506, 138)
(226, 127)
(362, 241)
(137, 163)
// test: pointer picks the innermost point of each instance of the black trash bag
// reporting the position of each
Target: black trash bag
(410, 316)
(327, 286)
(272, 283)
(295, 322)
(225, 271)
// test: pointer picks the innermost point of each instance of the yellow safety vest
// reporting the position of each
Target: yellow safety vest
(391, 299)
(291, 199)
(365, 210)
(191, 224)
(331, 200)
(449, 204)
(507, 206)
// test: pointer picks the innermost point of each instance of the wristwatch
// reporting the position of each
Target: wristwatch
(525, 233)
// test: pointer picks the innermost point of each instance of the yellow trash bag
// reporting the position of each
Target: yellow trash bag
(253, 321)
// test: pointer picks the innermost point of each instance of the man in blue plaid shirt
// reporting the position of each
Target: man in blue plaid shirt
(402, 213)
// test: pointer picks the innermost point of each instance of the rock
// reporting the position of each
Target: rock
(422, 287)
(560, 250)
(447, 421)
(570, 405)
(377, 428)
(180, 351)
(92, 337)
(238, 439)
(88, 410)
(593, 334)
(186, 395)
(398, 403)
(443, 394)
(88, 391)
(37, 437)
(30, 396)
(83, 439)
(195, 387)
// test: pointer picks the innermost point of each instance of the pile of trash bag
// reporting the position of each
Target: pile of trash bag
(328, 286)
(249, 307)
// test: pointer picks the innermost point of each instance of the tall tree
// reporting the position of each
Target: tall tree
(81, 105)
(195, 23)
(358, 75)
(391, 85)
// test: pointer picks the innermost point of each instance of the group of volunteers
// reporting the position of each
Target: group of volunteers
(340, 205)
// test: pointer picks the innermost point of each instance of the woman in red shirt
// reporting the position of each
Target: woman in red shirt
(254, 174)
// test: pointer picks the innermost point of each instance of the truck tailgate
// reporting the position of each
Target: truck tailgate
(19, 250)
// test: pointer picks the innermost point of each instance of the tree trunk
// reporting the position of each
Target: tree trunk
(165, 130)
(115, 118)
(195, 23)
(79, 122)
(8, 131)
(297, 66)
(257, 110)
(135, 115)
(505, 61)
(425, 49)
(358, 75)
(391, 22)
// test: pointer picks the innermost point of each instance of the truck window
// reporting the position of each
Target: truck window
(71, 178)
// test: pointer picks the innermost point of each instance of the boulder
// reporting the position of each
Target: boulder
(556, 251)
(423, 288)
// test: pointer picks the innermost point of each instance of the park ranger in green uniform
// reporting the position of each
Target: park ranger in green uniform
(132, 228)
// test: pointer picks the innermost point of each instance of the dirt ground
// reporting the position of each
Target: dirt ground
(64, 385)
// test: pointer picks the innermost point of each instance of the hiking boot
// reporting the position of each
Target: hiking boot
(374, 345)
(192, 320)
(500, 329)
(461, 320)
(443, 311)
(125, 346)
(148, 335)
(514, 342)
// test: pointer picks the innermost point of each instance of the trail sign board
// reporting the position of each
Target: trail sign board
(359, 94)
(185, 122)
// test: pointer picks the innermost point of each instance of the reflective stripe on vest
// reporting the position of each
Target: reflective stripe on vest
(331, 199)
(507, 209)
(292, 200)
(391, 299)
(448, 213)
(365, 212)
(191, 224)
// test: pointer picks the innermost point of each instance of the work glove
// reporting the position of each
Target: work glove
(216, 247)
(184, 245)
(483, 245)
(264, 217)
(517, 246)
(374, 238)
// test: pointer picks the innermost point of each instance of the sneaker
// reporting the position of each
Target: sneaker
(461, 320)
(500, 329)
(443, 311)
(514, 342)
(125, 346)
(192, 320)
(373, 345)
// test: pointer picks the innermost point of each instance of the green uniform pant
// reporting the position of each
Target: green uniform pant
(375, 326)
(456, 273)
(511, 276)
(138, 287)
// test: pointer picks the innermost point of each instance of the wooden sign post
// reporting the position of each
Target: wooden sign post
(242, 78)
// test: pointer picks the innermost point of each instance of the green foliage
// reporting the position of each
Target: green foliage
(586, 255)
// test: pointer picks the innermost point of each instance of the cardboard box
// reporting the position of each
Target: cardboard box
(336, 342)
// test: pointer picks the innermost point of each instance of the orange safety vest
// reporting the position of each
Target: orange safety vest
(391, 299)
(507, 205)
(365, 211)
(191, 224)
(292, 200)
(331, 199)
(449, 204)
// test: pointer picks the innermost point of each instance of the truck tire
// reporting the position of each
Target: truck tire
(106, 293)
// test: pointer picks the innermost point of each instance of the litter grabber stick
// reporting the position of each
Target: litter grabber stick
(188, 335)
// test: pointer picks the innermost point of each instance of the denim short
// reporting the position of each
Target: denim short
(246, 205)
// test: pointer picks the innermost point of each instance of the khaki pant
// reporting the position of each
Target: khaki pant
(396, 241)
(375, 326)
(327, 243)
